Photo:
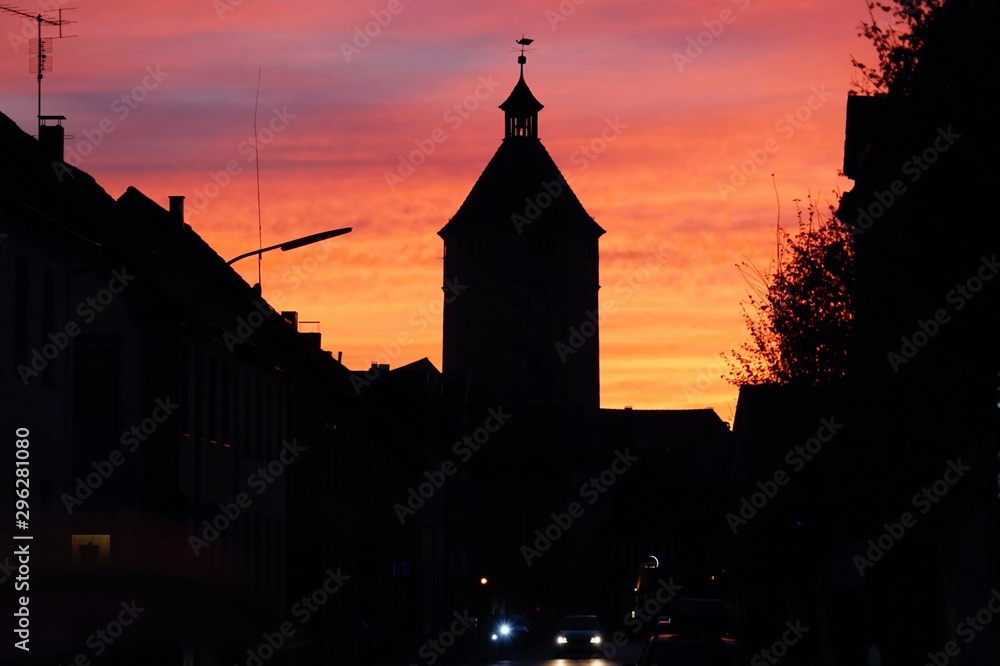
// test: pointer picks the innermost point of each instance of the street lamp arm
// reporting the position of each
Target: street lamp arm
(292, 244)
(314, 238)
(252, 253)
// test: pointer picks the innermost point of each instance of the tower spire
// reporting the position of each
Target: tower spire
(521, 108)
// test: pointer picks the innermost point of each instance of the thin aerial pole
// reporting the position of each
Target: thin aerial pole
(256, 159)
(40, 62)
(41, 66)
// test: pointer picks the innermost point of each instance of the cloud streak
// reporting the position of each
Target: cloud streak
(656, 183)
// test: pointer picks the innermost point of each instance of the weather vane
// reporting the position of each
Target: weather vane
(524, 41)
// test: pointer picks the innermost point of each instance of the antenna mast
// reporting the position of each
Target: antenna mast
(41, 61)
(256, 159)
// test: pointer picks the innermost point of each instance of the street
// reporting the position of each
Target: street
(541, 653)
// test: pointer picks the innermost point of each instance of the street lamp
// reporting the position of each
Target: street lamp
(292, 244)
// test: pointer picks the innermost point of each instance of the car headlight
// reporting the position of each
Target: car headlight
(493, 637)
(505, 630)
(596, 640)
(561, 640)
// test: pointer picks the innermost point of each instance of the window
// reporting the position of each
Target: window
(488, 526)
(212, 411)
(48, 316)
(97, 384)
(21, 288)
(197, 397)
(537, 305)
(535, 246)
(183, 377)
(533, 520)
(226, 433)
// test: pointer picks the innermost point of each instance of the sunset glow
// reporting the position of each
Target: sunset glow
(668, 120)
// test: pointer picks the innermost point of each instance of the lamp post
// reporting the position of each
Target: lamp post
(292, 244)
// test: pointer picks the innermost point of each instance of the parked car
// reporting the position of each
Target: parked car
(694, 632)
(688, 650)
(663, 625)
(694, 616)
(578, 634)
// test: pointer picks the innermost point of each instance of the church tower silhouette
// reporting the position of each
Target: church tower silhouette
(521, 258)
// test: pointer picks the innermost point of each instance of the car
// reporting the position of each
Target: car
(578, 634)
(692, 650)
(695, 616)
(663, 625)
(510, 632)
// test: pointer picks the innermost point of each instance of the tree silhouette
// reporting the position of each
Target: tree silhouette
(897, 41)
(798, 311)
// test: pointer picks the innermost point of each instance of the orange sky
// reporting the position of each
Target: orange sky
(161, 96)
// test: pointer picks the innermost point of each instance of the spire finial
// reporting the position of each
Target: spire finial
(521, 108)
(524, 41)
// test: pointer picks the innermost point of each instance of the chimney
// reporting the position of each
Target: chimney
(312, 340)
(177, 210)
(340, 357)
(52, 137)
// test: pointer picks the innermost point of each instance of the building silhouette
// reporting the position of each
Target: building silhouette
(515, 411)
(190, 447)
(520, 275)
(920, 392)
(521, 324)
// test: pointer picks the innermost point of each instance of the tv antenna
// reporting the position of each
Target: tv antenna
(41, 61)
(256, 159)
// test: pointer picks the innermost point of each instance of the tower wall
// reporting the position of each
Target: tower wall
(520, 315)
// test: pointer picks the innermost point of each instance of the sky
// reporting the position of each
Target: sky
(687, 129)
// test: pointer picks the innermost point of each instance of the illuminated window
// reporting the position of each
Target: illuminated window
(90, 549)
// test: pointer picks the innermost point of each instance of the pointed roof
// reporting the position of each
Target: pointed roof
(522, 185)
(521, 168)
(521, 102)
